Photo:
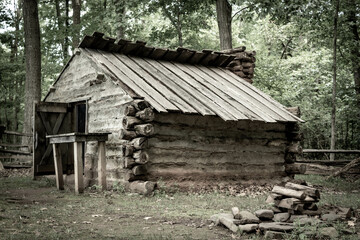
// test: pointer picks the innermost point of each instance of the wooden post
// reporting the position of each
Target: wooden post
(102, 165)
(58, 167)
(78, 168)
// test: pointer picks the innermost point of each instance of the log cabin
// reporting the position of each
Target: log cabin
(176, 115)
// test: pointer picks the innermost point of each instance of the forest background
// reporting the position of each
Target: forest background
(293, 39)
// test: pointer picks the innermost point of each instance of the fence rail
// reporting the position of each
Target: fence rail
(330, 151)
(14, 151)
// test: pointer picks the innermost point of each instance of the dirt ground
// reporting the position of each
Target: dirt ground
(37, 210)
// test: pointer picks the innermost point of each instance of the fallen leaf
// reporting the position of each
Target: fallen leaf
(351, 224)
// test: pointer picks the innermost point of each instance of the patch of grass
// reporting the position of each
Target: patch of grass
(53, 214)
(336, 183)
(26, 182)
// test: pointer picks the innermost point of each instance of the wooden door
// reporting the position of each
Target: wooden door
(50, 119)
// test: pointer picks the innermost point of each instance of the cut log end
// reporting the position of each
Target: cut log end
(129, 122)
(144, 129)
(127, 135)
(129, 110)
(140, 104)
(146, 115)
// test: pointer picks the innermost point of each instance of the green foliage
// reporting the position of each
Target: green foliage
(186, 19)
(292, 40)
(297, 72)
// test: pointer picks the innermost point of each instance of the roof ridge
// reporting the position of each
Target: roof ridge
(139, 48)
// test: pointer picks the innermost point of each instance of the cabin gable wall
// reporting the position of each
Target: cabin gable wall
(106, 101)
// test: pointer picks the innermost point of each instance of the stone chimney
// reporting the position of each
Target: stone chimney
(243, 64)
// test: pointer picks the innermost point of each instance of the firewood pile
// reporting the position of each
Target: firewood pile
(137, 128)
(243, 64)
(295, 199)
(289, 207)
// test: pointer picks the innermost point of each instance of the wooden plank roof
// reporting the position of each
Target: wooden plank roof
(178, 86)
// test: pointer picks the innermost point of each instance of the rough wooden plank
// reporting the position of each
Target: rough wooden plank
(208, 58)
(170, 55)
(256, 93)
(240, 96)
(78, 168)
(102, 165)
(185, 55)
(55, 130)
(112, 76)
(200, 101)
(145, 51)
(18, 133)
(207, 97)
(289, 192)
(133, 71)
(161, 83)
(14, 145)
(22, 157)
(55, 108)
(143, 90)
(58, 167)
(158, 53)
(196, 58)
(233, 100)
(15, 151)
(252, 103)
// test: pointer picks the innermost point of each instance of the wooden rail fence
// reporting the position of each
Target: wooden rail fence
(19, 152)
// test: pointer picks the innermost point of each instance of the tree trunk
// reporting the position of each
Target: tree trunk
(32, 59)
(179, 30)
(60, 24)
(120, 7)
(66, 37)
(223, 13)
(76, 5)
(352, 20)
(333, 111)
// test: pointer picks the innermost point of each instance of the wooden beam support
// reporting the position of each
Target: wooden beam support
(102, 166)
(58, 167)
(78, 165)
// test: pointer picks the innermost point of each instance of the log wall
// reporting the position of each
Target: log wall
(81, 80)
(189, 147)
(178, 146)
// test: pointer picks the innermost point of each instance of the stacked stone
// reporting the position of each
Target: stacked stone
(289, 204)
(137, 128)
(243, 64)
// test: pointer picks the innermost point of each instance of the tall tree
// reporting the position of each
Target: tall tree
(76, 5)
(120, 9)
(224, 19)
(32, 59)
(333, 111)
(184, 15)
(353, 23)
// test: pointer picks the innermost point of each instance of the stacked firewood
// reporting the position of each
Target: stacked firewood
(137, 128)
(295, 199)
(243, 64)
(290, 206)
